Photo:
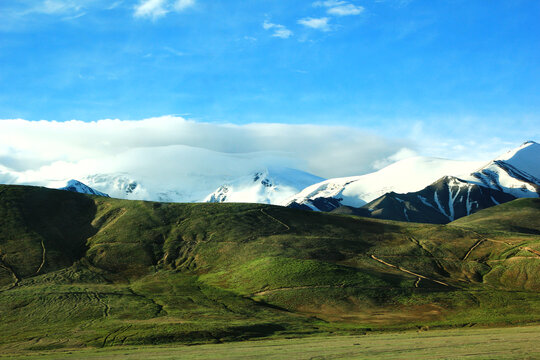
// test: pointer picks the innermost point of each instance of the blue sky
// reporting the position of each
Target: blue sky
(389, 66)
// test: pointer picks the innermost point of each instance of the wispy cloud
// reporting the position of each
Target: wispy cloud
(114, 5)
(14, 15)
(316, 23)
(279, 31)
(51, 7)
(58, 6)
(339, 8)
(174, 51)
(151, 8)
(181, 5)
(155, 9)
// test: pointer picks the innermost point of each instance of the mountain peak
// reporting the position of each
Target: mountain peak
(526, 158)
(79, 187)
(263, 186)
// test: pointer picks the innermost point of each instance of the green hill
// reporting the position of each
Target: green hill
(78, 270)
(519, 216)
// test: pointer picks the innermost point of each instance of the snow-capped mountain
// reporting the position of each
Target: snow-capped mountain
(266, 186)
(407, 175)
(444, 201)
(270, 186)
(517, 172)
(125, 186)
(510, 176)
(120, 186)
(79, 187)
(415, 189)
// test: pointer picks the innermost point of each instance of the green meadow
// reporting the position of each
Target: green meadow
(98, 277)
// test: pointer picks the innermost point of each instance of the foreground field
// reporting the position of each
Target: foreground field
(502, 343)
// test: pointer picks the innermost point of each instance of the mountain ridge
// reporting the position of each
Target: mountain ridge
(79, 187)
(452, 197)
(268, 186)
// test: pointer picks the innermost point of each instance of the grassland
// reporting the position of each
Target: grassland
(78, 271)
(505, 343)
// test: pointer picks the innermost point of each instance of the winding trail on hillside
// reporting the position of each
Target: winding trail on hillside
(9, 269)
(408, 271)
(535, 252)
(273, 218)
(43, 257)
(478, 243)
(483, 238)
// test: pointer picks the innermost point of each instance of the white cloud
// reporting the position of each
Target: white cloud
(194, 157)
(339, 8)
(51, 7)
(279, 31)
(158, 8)
(151, 8)
(174, 51)
(58, 6)
(316, 23)
(181, 5)
(344, 10)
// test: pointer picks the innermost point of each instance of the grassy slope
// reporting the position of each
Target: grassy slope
(518, 216)
(130, 272)
(515, 228)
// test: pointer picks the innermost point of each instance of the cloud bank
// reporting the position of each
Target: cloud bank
(195, 156)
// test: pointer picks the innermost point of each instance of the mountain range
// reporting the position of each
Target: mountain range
(417, 189)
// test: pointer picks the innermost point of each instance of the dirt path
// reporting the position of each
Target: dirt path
(535, 252)
(43, 254)
(408, 271)
(9, 269)
(483, 238)
(273, 218)
(472, 248)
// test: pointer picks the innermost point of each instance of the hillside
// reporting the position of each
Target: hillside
(520, 215)
(82, 270)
